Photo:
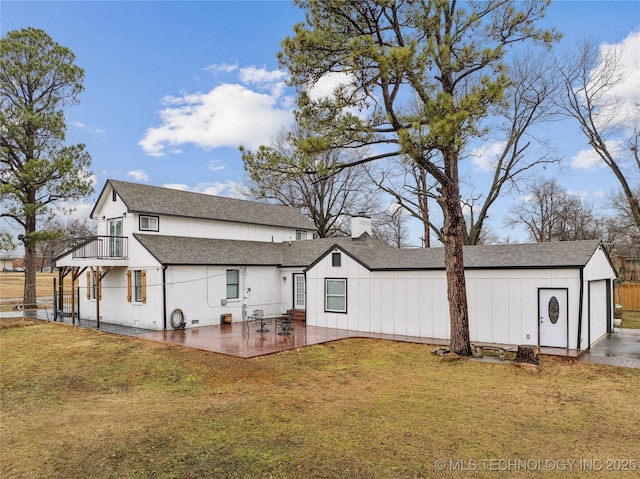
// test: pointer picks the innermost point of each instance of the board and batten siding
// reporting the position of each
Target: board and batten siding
(390, 302)
(503, 303)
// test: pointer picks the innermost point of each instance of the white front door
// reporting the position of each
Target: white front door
(554, 317)
(299, 291)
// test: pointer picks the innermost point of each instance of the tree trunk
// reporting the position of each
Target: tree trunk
(454, 265)
(30, 253)
(29, 299)
(528, 355)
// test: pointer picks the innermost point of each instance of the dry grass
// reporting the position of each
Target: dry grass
(81, 403)
(12, 287)
(630, 319)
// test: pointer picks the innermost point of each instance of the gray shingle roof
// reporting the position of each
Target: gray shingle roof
(203, 251)
(155, 200)
(179, 250)
(536, 255)
(368, 251)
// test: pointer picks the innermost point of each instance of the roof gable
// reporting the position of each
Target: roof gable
(567, 254)
(146, 199)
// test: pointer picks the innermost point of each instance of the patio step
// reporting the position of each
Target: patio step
(299, 314)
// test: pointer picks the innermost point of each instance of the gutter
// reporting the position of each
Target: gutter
(580, 307)
(164, 298)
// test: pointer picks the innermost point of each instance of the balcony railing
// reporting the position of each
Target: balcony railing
(101, 247)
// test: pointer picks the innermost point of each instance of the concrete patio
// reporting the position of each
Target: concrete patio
(242, 339)
(621, 348)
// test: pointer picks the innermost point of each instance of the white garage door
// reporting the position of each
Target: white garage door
(598, 309)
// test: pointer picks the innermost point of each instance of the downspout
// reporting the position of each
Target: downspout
(164, 297)
(580, 307)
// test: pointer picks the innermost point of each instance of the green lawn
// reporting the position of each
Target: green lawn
(78, 403)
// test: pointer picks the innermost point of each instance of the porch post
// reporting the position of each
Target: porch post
(97, 281)
(73, 296)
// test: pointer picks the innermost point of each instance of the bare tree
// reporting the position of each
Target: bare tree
(610, 122)
(412, 188)
(513, 154)
(281, 173)
(519, 153)
(550, 213)
(60, 236)
(390, 226)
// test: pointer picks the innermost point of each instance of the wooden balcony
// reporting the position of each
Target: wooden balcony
(101, 247)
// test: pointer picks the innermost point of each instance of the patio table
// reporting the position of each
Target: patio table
(263, 320)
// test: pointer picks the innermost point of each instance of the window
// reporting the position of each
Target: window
(93, 292)
(336, 259)
(233, 284)
(114, 197)
(335, 295)
(301, 235)
(149, 223)
(137, 286)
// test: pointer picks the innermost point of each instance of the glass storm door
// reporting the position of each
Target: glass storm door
(299, 291)
(115, 240)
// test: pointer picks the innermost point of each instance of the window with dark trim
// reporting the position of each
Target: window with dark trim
(233, 284)
(149, 223)
(336, 259)
(335, 295)
(114, 196)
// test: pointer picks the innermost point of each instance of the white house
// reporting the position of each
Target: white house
(548, 294)
(160, 250)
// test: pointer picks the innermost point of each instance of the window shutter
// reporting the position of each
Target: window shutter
(144, 285)
(88, 285)
(129, 285)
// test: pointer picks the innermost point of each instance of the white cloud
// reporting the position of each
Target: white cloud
(79, 124)
(138, 175)
(339, 82)
(222, 68)
(589, 159)
(328, 83)
(582, 194)
(215, 165)
(229, 115)
(67, 211)
(266, 80)
(627, 88)
(228, 188)
(485, 158)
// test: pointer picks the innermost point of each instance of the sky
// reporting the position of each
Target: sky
(172, 89)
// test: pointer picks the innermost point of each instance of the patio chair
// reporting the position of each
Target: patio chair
(285, 323)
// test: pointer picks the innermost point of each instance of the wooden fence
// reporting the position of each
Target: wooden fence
(629, 296)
